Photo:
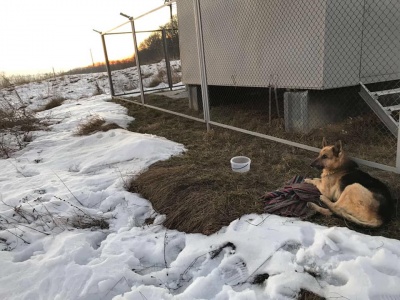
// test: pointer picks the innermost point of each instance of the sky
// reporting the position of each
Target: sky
(37, 36)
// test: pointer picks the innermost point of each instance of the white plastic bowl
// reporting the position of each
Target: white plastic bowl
(240, 164)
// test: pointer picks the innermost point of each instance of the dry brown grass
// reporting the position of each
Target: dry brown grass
(200, 184)
(55, 102)
(158, 78)
(307, 295)
(94, 124)
(363, 136)
(198, 191)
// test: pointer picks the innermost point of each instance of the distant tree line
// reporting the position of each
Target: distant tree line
(151, 50)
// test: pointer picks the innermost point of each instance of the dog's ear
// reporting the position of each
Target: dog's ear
(338, 148)
(324, 142)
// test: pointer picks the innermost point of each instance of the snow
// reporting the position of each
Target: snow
(60, 176)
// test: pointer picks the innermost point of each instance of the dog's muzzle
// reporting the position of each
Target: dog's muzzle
(317, 164)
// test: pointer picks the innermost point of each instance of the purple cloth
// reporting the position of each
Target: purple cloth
(291, 200)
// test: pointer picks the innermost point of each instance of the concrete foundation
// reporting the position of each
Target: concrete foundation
(308, 110)
(296, 111)
(195, 100)
(304, 110)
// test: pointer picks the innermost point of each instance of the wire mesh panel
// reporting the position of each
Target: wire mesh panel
(294, 69)
(122, 63)
(173, 54)
(160, 65)
(153, 59)
(161, 72)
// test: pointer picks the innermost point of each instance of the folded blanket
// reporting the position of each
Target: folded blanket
(291, 200)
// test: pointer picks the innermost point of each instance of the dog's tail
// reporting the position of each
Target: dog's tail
(386, 207)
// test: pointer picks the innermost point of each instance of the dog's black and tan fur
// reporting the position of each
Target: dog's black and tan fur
(349, 192)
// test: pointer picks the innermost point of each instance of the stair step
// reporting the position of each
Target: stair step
(386, 92)
(384, 113)
(393, 108)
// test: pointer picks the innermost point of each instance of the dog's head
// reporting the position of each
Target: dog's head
(330, 157)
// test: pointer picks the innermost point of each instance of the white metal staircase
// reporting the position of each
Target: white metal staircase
(385, 113)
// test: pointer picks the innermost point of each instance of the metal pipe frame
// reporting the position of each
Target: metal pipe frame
(167, 62)
(169, 3)
(142, 31)
(107, 66)
(202, 62)
(161, 109)
(136, 53)
(150, 90)
(139, 70)
(141, 16)
(398, 151)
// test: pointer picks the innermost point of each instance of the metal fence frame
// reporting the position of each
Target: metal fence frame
(205, 96)
(136, 51)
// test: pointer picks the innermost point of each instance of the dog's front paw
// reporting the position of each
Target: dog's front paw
(310, 205)
(309, 180)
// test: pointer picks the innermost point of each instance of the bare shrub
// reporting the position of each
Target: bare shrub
(4, 81)
(15, 80)
(176, 74)
(129, 86)
(176, 77)
(158, 78)
(16, 125)
(177, 68)
(147, 75)
(36, 215)
(161, 76)
(98, 90)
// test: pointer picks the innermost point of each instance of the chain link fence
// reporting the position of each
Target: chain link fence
(122, 67)
(292, 71)
(289, 71)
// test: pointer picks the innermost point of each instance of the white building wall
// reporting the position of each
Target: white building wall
(343, 43)
(304, 44)
(381, 41)
(187, 42)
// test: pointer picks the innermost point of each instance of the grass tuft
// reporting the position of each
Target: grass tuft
(94, 124)
(307, 295)
(55, 102)
(158, 78)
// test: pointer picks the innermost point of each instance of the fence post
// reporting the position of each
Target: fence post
(136, 53)
(398, 152)
(167, 63)
(137, 59)
(202, 62)
(103, 41)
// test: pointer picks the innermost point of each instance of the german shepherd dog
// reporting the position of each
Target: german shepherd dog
(347, 191)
